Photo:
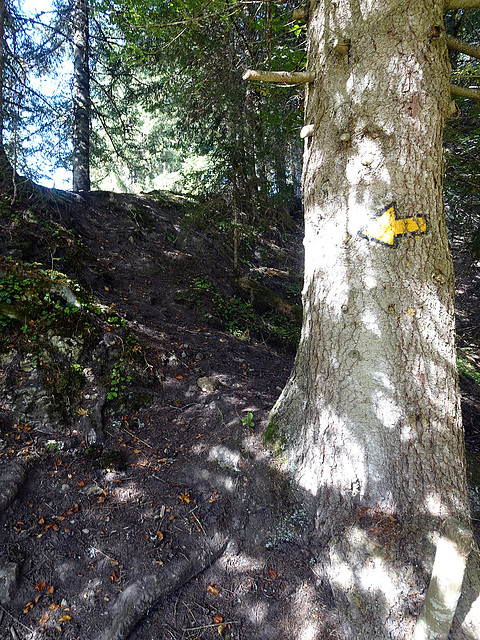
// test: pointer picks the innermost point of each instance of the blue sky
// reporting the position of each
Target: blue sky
(58, 178)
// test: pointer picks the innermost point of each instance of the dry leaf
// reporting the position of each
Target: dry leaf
(50, 590)
(41, 521)
(160, 535)
(44, 618)
(65, 618)
(28, 607)
(271, 574)
(220, 628)
(184, 498)
(80, 483)
(114, 577)
(37, 598)
(53, 606)
(40, 586)
(218, 619)
(212, 589)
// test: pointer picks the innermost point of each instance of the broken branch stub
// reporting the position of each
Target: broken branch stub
(285, 77)
(465, 92)
(300, 13)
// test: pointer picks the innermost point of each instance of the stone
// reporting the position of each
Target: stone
(8, 582)
(209, 384)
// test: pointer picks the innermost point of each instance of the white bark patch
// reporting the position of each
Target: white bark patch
(446, 583)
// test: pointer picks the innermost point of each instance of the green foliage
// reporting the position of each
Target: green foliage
(467, 367)
(247, 421)
(462, 141)
(119, 381)
(240, 318)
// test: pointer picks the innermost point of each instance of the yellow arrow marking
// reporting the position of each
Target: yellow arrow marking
(386, 227)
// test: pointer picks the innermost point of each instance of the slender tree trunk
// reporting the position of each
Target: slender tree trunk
(81, 99)
(369, 420)
(4, 164)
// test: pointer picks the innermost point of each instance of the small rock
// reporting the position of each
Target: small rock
(65, 488)
(199, 356)
(8, 582)
(208, 384)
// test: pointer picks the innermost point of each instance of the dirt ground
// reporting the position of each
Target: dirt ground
(147, 537)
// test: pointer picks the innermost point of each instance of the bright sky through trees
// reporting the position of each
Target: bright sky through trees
(53, 177)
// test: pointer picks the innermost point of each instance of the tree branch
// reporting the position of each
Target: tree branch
(286, 77)
(472, 50)
(461, 4)
(464, 92)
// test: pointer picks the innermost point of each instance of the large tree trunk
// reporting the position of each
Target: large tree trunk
(369, 420)
(81, 99)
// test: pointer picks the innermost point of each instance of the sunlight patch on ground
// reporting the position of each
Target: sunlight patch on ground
(241, 563)
(127, 493)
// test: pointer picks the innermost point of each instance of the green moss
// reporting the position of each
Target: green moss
(271, 432)
(467, 368)
(274, 437)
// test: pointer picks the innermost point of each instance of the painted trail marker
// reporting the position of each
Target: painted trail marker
(385, 227)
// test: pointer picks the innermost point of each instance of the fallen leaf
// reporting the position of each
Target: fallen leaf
(114, 577)
(271, 574)
(65, 618)
(160, 535)
(36, 599)
(44, 618)
(28, 607)
(218, 619)
(53, 606)
(40, 586)
(80, 483)
(184, 498)
(41, 521)
(220, 628)
(55, 527)
(50, 590)
(179, 377)
(212, 589)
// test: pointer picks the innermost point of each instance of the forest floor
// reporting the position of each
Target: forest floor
(157, 530)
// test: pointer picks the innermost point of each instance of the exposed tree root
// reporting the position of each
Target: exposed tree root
(11, 480)
(143, 594)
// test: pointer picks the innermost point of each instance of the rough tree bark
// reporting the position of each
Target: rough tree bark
(81, 99)
(369, 421)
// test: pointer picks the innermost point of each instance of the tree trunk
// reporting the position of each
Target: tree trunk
(369, 421)
(81, 99)
(4, 164)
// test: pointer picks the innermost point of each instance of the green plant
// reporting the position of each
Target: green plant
(247, 421)
(118, 381)
(467, 368)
